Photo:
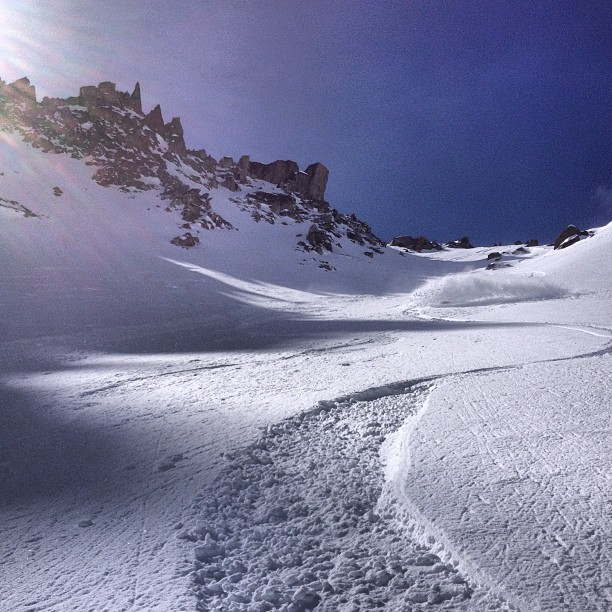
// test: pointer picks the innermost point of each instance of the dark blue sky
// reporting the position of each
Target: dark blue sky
(441, 118)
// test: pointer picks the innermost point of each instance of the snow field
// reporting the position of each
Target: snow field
(124, 376)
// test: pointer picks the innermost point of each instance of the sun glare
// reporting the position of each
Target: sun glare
(39, 40)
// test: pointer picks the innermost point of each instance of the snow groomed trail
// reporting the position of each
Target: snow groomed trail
(509, 476)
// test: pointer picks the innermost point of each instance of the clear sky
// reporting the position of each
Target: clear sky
(435, 117)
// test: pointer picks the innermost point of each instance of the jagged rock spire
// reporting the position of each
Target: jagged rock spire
(155, 120)
(136, 100)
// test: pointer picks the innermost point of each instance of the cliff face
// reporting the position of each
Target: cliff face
(138, 151)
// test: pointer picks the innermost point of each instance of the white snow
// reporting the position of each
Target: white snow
(235, 427)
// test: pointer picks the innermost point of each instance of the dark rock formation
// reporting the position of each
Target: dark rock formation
(318, 239)
(243, 168)
(317, 183)
(173, 133)
(136, 101)
(277, 172)
(570, 235)
(461, 243)
(279, 203)
(186, 240)
(494, 255)
(229, 182)
(155, 120)
(311, 184)
(420, 243)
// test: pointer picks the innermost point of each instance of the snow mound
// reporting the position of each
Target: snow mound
(583, 267)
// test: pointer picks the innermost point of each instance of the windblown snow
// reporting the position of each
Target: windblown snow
(235, 427)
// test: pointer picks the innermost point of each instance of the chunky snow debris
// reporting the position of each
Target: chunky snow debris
(296, 522)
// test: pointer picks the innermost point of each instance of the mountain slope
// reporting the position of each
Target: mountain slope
(250, 421)
(138, 152)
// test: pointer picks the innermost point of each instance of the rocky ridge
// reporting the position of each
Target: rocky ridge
(138, 151)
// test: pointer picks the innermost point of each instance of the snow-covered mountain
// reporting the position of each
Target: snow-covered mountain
(219, 393)
(138, 152)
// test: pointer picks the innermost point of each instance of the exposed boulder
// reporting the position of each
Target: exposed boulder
(460, 243)
(494, 255)
(319, 239)
(187, 240)
(418, 244)
(570, 235)
(229, 182)
(279, 203)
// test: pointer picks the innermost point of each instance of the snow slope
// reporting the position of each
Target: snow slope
(156, 401)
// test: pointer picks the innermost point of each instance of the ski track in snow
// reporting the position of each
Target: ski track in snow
(180, 434)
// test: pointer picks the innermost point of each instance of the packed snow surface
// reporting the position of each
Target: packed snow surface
(234, 427)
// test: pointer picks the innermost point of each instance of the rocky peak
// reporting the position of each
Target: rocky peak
(138, 152)
(155, 120)
(173, 133)
(136, 100)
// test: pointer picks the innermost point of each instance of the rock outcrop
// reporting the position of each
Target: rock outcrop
(460, 243)
(418, 244)
(317, 181)
(22, 88)
(286, 173)
(278, 172)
